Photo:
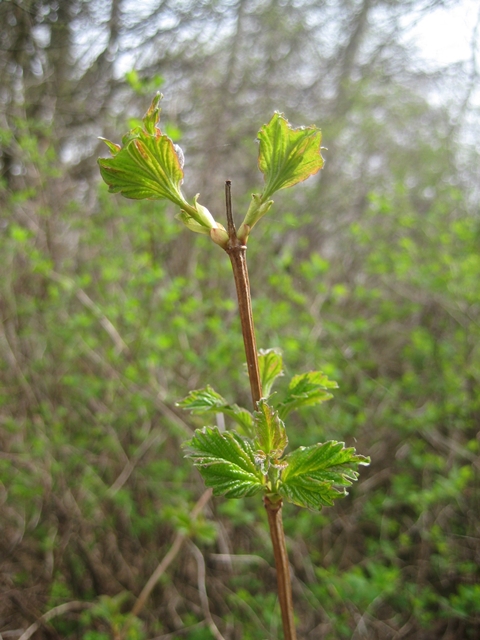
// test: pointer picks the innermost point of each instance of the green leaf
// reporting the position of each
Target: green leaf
(226, 462)
(286, 155)
(306, 389)
(207, 400)
(270, 365)
(191, 223)
(241, 416)
(114, 148)
(150, 165)
(316, 475)
(270, 433)
(152, 117)
(201, 401)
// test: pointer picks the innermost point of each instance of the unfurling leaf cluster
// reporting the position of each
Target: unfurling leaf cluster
(251, 459)
(286, 157)
(149, 165)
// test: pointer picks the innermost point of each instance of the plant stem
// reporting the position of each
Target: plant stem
(274, 514)
(237, 253)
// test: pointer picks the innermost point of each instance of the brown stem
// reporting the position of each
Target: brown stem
(237, 253)
(274, 514)
(238, 257)
(240, 273)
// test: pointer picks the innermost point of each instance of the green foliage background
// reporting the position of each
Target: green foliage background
(111, 312)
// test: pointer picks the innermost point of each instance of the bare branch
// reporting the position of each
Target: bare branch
(53, 613)
(169, 558)
(202, 589)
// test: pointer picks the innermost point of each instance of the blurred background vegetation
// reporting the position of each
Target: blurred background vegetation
(110, 312)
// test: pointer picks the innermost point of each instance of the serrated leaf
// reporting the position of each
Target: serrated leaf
(270, 433)
(312, 495)
(207, 400)
(114, 148)
(202, 400)
(152, 117)
(226, 462)
(149, 165)
(286, 155)
(306, 389)
(318, 474)
(327, 462)
(241, 416)
(270, 365)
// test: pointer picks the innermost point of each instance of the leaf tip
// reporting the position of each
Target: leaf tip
(152, 118)
(114, 148)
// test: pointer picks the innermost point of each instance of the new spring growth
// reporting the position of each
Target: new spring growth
(149, 165)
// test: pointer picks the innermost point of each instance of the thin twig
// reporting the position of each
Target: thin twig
(159, 571)
(76, 605)
(69, 284)
(241, 558)
(202, 589)
(170, 557)
(130, 466)
(154, 394)
(174, 635)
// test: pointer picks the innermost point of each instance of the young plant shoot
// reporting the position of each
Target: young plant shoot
(250, 459)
